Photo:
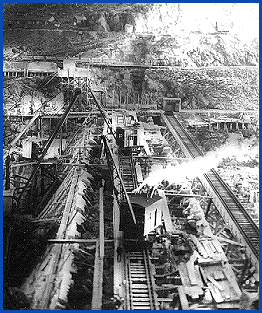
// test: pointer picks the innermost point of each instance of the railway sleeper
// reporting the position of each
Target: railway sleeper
(139, 277)
(141, 295)
(139, 287)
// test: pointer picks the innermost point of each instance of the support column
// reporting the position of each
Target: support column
(42, 183)
(39, 127)
(7, 172)
(208, 207)
(61, 141)
(99, 258)
(101, 220)
(113, 101)
(120, 94)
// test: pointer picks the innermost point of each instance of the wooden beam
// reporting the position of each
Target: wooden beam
(190, 111)
(75, 240)
(49, 142)
(183, 298)
(7, 172)
(21, 133)
(208, 207)
(97, 281)
(103, 112)
(45, 220)
(121, 180)
(45, 301)
(228, 241)
(159, 158)
(101, 220)
(168, 193)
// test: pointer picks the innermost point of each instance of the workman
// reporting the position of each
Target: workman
(119, 251)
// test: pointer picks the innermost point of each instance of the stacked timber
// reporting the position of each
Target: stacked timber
(48, 285)
(192, 270)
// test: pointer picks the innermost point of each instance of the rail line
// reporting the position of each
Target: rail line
(140, 294)
(126, 165)
(242, 220)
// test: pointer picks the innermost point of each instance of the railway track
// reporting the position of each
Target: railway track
(140, 282)
(242, 220)
(128, 173)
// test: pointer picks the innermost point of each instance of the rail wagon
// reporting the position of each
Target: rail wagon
(171, 105)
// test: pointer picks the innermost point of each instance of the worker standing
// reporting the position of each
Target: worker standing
(119, 252)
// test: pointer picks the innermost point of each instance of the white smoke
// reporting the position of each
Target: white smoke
(189, 170)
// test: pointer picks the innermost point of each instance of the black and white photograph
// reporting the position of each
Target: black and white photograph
(131, 156)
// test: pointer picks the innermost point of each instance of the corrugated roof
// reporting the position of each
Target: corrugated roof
(14, 66)
(42, 66)
(32, 66)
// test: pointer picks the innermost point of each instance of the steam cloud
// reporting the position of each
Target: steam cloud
(185, 171)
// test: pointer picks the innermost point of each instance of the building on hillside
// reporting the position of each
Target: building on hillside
(80, 20)
(32, 21)
(41, 68)
(14, 69)
(25, 69)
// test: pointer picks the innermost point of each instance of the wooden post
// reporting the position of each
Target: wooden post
(7, 172)
(42, 183)
(102, 98)
(66, 121)
(120, 99)
(61, 141)
(99, 257)
(208, 208)
(68, 81)
(87, 97)
(39, 127)
(101, 220)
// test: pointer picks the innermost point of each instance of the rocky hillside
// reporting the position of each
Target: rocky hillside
(218, 34)
(217, 88)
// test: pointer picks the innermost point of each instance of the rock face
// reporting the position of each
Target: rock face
(101, 24)
(224, 88)
(115, 22)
